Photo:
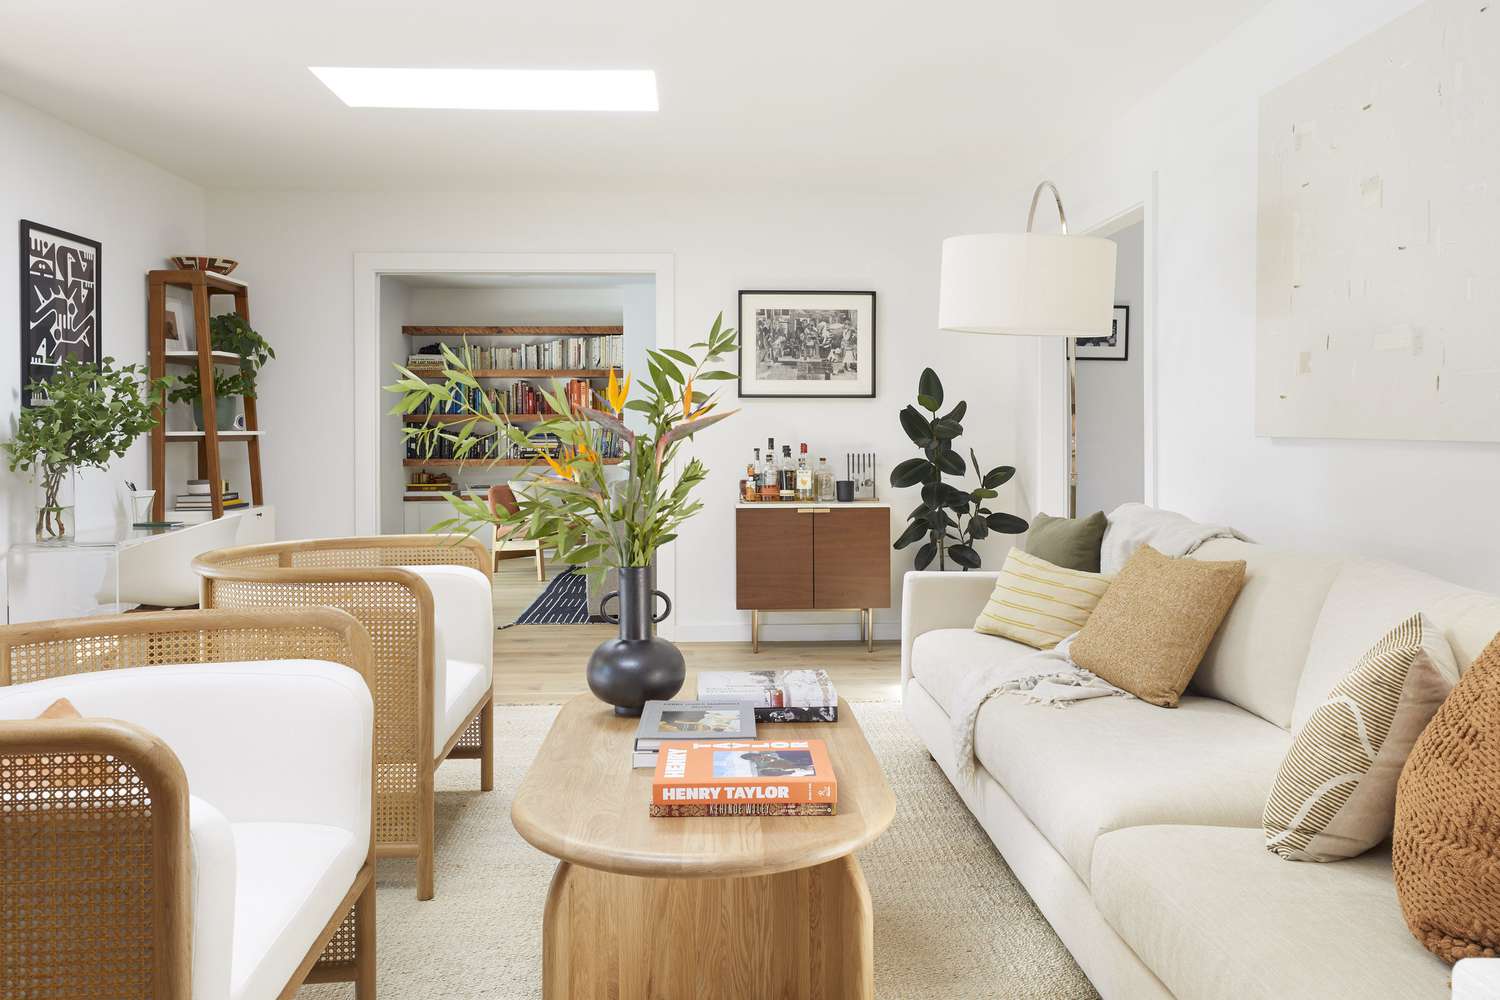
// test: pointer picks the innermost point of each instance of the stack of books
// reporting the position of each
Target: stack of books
(202, 501)
(662, 721)
(778, 695)
(744, 778)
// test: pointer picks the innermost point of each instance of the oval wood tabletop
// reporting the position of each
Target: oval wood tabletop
(583, 802)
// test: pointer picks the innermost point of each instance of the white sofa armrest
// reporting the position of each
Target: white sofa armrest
(463, 609)
(933, 600)
(213, 880)
(265, 741)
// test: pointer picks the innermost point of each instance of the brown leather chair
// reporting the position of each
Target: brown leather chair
(502, 497)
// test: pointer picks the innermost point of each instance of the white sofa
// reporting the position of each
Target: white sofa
(270, 758)
(1137, 829)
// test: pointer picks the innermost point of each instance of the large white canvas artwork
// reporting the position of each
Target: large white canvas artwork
(1379, 238)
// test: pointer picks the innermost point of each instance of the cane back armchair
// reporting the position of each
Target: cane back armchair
(427, 603)
(116, 879)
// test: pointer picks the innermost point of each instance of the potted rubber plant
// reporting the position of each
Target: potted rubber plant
(575, 506)
(89, 417)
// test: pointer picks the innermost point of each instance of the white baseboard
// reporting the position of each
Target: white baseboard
(773, 631)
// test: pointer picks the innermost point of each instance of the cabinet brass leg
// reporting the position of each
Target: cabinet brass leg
(755, 631)
(869, 630)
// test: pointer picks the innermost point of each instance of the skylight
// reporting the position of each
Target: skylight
(492, 89)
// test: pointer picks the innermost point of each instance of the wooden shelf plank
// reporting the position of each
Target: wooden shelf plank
(513, 331)
(436, 463)
(223, 435)
(528, 373)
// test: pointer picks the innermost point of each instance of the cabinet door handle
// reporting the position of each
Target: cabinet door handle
(815, 510)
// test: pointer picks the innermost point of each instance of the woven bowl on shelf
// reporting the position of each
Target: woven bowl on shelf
(218, 265)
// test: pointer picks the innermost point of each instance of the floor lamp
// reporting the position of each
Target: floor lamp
(1032, 285)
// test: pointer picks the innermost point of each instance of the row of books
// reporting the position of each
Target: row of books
(519, 397)
(711, 760)
(497, 446)
(202, 501)
(567, 352)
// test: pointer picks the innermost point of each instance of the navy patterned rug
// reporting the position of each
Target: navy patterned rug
(565, 601)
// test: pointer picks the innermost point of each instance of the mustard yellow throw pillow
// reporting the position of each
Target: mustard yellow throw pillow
(1150, 630)
(1038, 603)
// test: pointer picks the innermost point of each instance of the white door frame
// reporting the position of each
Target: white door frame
(370, 267)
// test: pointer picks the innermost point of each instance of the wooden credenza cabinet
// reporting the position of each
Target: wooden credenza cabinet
(813, 557)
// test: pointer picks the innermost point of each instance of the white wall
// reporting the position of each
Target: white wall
(54, 174)
(297, 250)
(395, 305)
(1111, 431)
(1428, 504)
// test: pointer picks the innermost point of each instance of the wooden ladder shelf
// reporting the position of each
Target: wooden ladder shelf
(203, 285)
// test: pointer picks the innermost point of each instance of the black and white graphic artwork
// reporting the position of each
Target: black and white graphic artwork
(1115, 347)
(807, 344)
(59, 302)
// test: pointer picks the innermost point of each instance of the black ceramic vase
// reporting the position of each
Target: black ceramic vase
(637, 667)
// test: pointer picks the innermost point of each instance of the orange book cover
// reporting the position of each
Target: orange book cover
(743, 772)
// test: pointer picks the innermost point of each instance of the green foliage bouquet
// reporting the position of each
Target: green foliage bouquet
(573, 506)
(90, 418)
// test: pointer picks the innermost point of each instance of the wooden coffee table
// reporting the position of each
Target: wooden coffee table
(697, 907)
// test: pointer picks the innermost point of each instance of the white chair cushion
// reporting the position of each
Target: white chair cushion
(467, 684)
(1258, 652)
(213, 889)
(463, 609)
(290, 881)
(943, 659)
(1110, 763)
(1217, 917)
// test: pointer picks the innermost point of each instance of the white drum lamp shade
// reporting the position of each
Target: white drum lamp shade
(1028, 284)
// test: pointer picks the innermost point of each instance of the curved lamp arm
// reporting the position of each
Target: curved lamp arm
(1036, 196)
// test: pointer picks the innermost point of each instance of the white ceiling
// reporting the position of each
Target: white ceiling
(877, 94)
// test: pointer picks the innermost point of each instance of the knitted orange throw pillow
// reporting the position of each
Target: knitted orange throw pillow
(1445, 852)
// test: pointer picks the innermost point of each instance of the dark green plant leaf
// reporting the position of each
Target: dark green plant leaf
(925, 555)
(931, 386)
(910, 472)
(983, 494)
(950, 462)
(957, 413)
(947, 429)
(916, 427)
(913, 532)
(928, 403)
(998, 476)
(964, 555)
(1007, 524)
(978, 528)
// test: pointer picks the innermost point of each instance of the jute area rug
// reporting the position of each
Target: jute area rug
(951, 921)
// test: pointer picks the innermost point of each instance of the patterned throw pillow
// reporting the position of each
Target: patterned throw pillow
(1038, 603)
(1335, 795)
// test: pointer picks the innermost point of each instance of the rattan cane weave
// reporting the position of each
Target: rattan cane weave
(1445, 851)
(94, 851)
(362, 577)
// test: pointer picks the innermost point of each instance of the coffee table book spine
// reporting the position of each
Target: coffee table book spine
(747, 809)
(684, 775)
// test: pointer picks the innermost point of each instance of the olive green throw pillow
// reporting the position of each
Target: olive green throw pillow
(1069, 542)
(1149, 631)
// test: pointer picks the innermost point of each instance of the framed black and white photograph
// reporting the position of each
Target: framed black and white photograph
(1115, 347)
(59, 302)
(807, 344)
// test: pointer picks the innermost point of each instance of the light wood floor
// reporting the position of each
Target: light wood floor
(544, 663)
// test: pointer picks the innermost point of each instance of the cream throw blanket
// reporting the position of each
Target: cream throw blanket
(1049, 676)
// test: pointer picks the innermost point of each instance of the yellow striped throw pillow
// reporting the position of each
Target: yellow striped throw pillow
(1038, 603)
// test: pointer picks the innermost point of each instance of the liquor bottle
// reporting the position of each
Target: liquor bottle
(787, 475)
(804, 477)
(823, 481)
(769, 488)
(750, 485)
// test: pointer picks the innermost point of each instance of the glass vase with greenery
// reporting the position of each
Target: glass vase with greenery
(90, 418)
(949, 518)
(575, 507)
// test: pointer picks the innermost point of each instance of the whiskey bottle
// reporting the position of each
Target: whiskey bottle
(804, 477)
(769, 487)
(787, 475)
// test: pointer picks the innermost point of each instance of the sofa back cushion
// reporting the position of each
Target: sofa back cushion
(1366, 600)
(1257, 656)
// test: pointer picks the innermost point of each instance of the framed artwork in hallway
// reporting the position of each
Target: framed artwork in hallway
(59, 296)
(1115, 347)
(807, 344)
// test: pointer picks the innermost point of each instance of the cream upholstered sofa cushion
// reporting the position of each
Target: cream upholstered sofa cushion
(1038, 603)
(1335, 794)
(1218, 918)
(943, 660)
(463, 613)
(1110, 763)
(1255, 660)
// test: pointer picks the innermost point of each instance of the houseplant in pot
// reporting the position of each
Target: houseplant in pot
(90, 418)
(232, 334)
(227, 387)
(589, 517)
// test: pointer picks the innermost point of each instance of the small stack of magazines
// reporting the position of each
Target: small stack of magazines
(778, 695)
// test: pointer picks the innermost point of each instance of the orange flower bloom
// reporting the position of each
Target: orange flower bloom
(564, 469)
(617, 392)
(688, 413)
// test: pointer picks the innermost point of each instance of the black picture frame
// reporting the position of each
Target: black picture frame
(862, 386)
(1114, 348)
(42, 289)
